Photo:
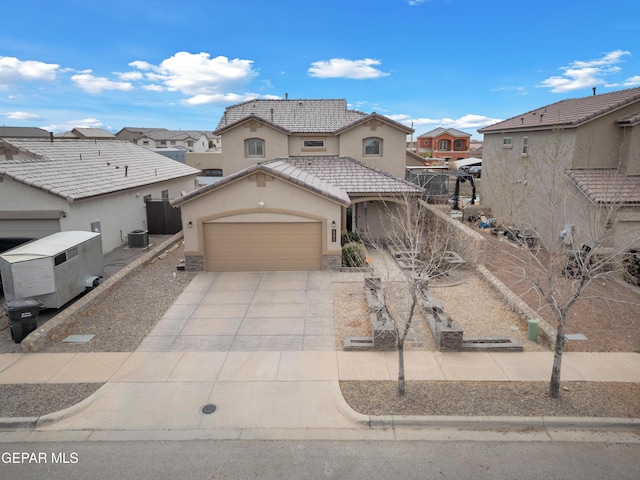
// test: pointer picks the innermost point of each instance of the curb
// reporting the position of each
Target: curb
(480, 423)
(59, 325)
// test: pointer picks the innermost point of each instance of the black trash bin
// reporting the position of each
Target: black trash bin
(23, 314)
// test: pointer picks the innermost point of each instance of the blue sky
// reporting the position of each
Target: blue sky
(453, 63)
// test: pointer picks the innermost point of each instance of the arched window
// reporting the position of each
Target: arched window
(372, 146)
(254, 147)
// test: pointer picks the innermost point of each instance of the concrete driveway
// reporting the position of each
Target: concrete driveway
(248, 311)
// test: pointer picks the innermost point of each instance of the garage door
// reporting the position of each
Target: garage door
(231, 247)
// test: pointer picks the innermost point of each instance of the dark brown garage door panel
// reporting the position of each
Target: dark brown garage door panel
(263, 246)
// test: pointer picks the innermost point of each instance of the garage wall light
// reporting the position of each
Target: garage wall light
(190, 224)
(333, 224)
(261, 204)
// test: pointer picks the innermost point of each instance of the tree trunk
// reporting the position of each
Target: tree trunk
(554, 385)
(401, 388)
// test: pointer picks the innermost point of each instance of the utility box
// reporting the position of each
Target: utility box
(138, 239)
(54, 269)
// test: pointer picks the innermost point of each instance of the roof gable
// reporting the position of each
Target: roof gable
(374, 117)
(570, 112)
(277, 169)
(442, 131)
(78, 169)
(296, 116)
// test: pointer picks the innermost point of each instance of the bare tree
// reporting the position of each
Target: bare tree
(419, 244)
(565, 237)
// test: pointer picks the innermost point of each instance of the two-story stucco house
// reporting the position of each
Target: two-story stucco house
(57, 185)
(594, 142)
(447, 144)
(297, 174)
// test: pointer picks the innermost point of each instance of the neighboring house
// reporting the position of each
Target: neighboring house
(191, 140)
(23, 132)
(448, 144)
(298, 174)
(90, 134)
(48, 186)
(597, 142)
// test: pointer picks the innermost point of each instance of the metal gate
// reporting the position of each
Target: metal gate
(162, 218)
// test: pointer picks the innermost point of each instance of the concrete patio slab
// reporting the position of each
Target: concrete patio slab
(211, 326)
(8, 359)
(363, 366)
(272, 326)
(527, 367)
(35, 367)
(250, 366)
(277, 310)
(187, 298)
(198, 367)
(201, 283)
(219, 311)
(591, 365)
(147, 367)
(93, 367)
(222, 297)
(169, 326)
(308, 366)
(469, 366)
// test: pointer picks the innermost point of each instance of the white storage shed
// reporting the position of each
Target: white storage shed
(54, 269)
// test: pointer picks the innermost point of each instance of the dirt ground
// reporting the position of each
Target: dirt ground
(608, 313)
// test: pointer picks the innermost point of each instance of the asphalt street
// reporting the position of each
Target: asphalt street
(211, 459)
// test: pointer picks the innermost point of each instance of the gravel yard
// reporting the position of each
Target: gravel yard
(127, 314)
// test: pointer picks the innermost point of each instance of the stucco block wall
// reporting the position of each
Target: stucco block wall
(463, 240)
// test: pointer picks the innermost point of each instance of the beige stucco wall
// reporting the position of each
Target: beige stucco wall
(394, 146)
(233, 158)
(240, 202)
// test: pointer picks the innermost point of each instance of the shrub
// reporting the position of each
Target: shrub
(354, 255)
(350, 237)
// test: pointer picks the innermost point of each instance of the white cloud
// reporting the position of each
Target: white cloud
(154, 88)
(415, 2)
(202, 78)
(22, 115)
(71, 124)
(344, 68)
(220, 98)
(91, 84)
(469, 121)
(130, 76)
(632, 81)
(13, 71)
(584, 74)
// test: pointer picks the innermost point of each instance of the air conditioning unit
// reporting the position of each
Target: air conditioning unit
(138, 239)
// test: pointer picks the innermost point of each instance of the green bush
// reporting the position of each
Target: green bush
(354, 255)
(350, 237)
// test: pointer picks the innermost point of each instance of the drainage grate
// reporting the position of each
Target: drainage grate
(208, 409)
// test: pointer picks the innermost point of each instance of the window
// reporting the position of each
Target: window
(146, 198)
(145, 142)
(525, 146)
(59, 259)
(313, 143)
(190, 143)
(372, 146)
(212, 172)
(163, 143)
(165, 194)
(254, 147)
(173, 142)
(444, 145)
(458, 145)
(507, 142)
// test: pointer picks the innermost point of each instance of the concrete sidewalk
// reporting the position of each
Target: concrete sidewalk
(260, 346)
(275, 394)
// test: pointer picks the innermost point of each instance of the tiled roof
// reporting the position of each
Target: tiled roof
(631, 119)
(351, 175)
(280, 169)
(570, 112)
(163, 134)
(93, 133)
(441, 130)
(23, 132)
(607, 185)
(77, 169)
(297, 116)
